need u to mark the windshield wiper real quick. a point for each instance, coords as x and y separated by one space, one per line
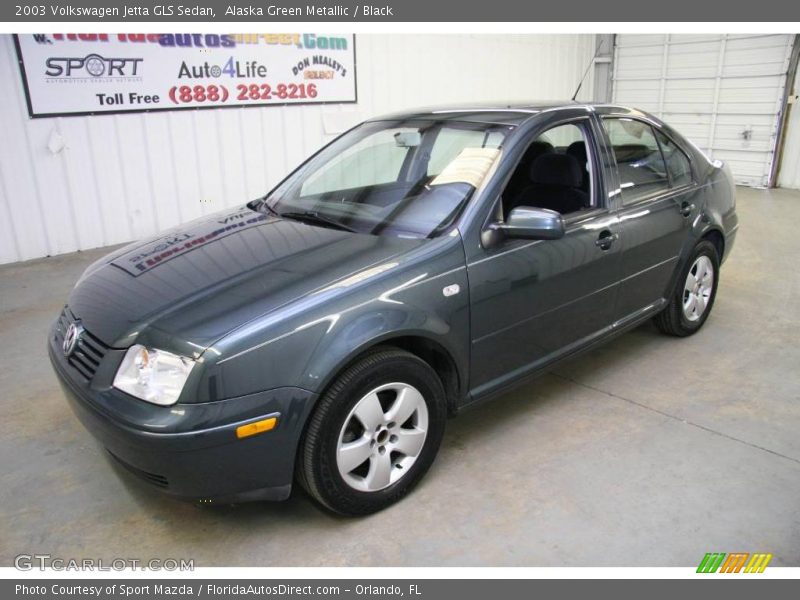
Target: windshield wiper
315 218
260 203
265 205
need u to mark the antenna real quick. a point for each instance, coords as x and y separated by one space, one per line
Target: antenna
586 72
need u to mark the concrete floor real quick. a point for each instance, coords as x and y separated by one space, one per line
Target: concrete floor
650 451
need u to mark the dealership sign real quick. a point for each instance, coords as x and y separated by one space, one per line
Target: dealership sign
79 74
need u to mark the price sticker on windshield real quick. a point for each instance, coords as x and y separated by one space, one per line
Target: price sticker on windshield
470 166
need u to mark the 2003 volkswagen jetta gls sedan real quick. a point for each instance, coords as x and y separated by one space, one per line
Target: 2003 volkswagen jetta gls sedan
417 264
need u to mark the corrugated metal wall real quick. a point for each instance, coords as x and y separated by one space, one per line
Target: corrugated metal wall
724 92
122 177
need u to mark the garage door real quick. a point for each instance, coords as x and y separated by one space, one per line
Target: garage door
724 92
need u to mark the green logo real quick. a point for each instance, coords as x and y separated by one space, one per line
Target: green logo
714 562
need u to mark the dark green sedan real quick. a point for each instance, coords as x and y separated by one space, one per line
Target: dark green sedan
419 263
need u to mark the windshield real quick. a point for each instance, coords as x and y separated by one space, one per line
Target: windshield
402 178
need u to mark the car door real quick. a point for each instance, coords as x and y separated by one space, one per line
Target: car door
534 301
657 205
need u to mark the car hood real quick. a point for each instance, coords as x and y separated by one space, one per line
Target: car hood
198 282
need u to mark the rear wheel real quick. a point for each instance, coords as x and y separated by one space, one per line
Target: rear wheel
374 433
693 297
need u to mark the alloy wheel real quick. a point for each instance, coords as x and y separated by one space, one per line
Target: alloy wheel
382 437
698 288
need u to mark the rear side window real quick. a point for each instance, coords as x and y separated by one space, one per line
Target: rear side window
642 171
678 166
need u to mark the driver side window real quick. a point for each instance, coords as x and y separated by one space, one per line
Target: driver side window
553 173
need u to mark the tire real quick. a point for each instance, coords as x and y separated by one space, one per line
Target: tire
346 426
679 318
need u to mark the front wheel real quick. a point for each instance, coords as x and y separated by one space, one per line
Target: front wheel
373 434
693 297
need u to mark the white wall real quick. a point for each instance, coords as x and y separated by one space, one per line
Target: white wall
122 177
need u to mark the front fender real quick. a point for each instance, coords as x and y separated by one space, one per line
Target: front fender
307 344
444 321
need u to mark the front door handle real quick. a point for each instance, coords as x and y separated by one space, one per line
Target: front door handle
605 239
686 208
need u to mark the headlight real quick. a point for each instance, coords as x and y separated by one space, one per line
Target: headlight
153 375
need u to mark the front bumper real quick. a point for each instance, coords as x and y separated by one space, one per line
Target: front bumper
191 450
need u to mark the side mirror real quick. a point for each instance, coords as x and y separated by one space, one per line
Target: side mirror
528 223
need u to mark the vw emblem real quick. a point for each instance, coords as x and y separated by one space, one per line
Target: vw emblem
71 338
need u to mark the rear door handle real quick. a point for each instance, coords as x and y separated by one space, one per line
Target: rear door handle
686 208
606 239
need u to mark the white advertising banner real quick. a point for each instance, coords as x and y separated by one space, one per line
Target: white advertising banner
80 74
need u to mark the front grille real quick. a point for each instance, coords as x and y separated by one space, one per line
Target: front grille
88 353
153 478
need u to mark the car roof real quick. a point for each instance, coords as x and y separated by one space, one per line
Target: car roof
496 113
